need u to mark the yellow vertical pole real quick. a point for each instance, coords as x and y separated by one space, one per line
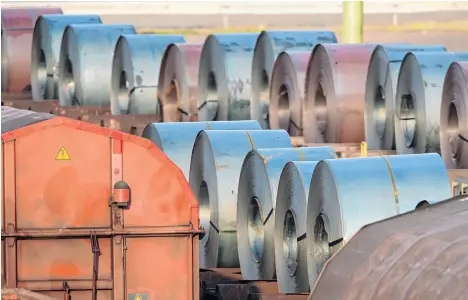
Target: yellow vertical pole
353 17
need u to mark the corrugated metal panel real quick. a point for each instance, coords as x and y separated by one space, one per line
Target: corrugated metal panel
13 118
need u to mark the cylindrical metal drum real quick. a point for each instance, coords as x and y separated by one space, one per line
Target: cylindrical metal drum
418 100
346 194
85 66
290 227
17 34
135 72
224 82
287 91
269 45
454 117
256 200
178 82
176 139
215 168
381 85
46 42
335 92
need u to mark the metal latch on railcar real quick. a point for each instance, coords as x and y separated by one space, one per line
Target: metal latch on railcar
120 195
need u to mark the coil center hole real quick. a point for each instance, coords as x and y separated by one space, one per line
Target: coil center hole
283 107
453 129
123 96
290 242
321 244
380 111
320 108
173 102
256 230
69 78
264 86
408 118
42 72
205 210
212 87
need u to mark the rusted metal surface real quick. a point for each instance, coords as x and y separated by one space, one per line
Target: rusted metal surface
133 124
109 215
335 92
287 91
17 34
48 106
178 82
454 117
418 255
23 294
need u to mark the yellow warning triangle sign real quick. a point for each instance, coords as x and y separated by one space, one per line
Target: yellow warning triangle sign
63 154
137 297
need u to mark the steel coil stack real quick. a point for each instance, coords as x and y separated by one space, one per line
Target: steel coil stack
86 57
256 201
176 139
346 194
135 72
214 178
418 100
381 85
46 43
454 117
267 48
17 35
178 82
224 82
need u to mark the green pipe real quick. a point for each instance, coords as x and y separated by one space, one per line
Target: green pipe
353 17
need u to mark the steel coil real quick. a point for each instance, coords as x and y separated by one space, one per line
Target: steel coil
346 194
17 34
290 227
47 37
135 72
256 200
381 85
287 91
267 48
224 82
418 100
85 70
176 139
335 92
454 117
215 167
178 82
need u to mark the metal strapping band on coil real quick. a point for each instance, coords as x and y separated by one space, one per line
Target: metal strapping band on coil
88 48
287 91
290 227
454 117
224 82
214 178
419 98
335 114
395 190
46 44
17 34
176 139
267 48
258 185
346 194
381 85
178 82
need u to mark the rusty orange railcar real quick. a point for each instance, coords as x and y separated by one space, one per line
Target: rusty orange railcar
94 213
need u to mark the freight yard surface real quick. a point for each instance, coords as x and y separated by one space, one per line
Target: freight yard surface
266 164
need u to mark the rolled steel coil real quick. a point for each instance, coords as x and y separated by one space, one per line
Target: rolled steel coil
135 72
256 200
418 100
178 82
454 117
86 55
215 168
17 34
290 227
346 194
335 92
176 139
46 42
381 85
224 82
267 49
287 91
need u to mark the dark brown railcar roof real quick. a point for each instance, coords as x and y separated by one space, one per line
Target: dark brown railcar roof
13 118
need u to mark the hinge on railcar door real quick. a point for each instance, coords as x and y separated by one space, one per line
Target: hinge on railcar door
66 288
96 251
